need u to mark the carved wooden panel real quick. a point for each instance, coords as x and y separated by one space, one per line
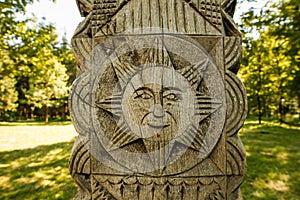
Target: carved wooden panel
157 103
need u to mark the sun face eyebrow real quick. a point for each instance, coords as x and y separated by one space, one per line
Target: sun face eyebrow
141 90
165 89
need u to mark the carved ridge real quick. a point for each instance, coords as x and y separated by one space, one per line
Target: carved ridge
117 24
236 103
233 53
79 103
236 157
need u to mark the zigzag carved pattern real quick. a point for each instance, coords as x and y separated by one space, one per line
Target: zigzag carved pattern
103 10
99 192
161 188
211 9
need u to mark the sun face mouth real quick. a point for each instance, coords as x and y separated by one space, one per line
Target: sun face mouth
157 125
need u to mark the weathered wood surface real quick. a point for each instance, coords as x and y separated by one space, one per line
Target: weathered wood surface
157 103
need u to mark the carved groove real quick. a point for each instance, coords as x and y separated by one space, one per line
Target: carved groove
84 6
82 48
80 158
236 104
79 102
174 15
236 164
233 53
229 6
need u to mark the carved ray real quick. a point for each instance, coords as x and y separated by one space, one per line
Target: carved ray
159 55
112 104
194 74
191 138
204 148
124 72
205 106
122 136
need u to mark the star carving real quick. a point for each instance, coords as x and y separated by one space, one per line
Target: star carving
138 88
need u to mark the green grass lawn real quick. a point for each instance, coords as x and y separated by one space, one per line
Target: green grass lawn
38 173
38 169
34 161
23 135
273 157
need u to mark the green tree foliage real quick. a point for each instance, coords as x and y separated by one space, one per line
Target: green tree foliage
8 93
41 75
66 56
289 30
271 59
288 26
9 28
35 68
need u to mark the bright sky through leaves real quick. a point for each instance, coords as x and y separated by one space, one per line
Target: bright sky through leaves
65 15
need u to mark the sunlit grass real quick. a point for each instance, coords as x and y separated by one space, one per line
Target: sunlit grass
34 161
41 172
28 135
37 173
273 157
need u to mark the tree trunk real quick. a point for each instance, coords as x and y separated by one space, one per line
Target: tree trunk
258 95
259 109
63 114
281 110
31 114
47 114
25 113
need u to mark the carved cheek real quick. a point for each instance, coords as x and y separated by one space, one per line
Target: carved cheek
140 108
173 108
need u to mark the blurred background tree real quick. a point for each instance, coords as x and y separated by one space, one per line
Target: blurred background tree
36 69
270 66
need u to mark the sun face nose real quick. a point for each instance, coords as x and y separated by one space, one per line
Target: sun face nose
158 111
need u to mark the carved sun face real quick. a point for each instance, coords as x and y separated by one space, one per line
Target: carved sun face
159 105
159 108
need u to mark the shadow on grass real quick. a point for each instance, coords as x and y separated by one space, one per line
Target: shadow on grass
38 173
273 153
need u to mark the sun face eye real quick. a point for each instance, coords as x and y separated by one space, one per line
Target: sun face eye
143 94
173 97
